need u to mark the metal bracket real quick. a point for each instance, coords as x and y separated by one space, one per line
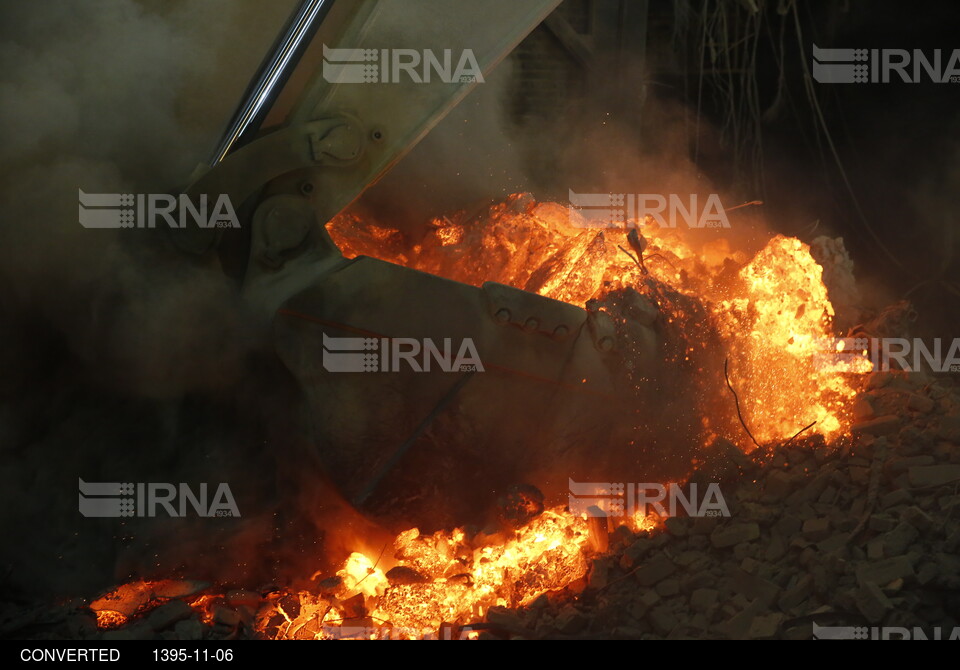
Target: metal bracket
339 144
338 141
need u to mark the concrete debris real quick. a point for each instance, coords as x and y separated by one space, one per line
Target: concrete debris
734 534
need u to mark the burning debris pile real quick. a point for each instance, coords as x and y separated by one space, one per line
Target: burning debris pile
772 311
842 495
439 579
862 531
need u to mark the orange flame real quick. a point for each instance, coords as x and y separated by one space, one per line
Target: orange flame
773 311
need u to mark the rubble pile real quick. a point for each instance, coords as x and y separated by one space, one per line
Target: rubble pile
864 531
861 533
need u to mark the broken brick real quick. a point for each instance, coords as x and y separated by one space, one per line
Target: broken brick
704 600
657 568
926 476
733 534
882 425
872 602
816 530
765 627
885 571
898 540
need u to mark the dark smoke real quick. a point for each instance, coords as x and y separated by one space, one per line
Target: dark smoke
108 341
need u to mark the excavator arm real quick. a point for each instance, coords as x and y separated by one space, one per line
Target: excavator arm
519 382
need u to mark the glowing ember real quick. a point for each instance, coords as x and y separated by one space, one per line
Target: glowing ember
359 574
443 579
110 619
772 311
776 332
203 606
